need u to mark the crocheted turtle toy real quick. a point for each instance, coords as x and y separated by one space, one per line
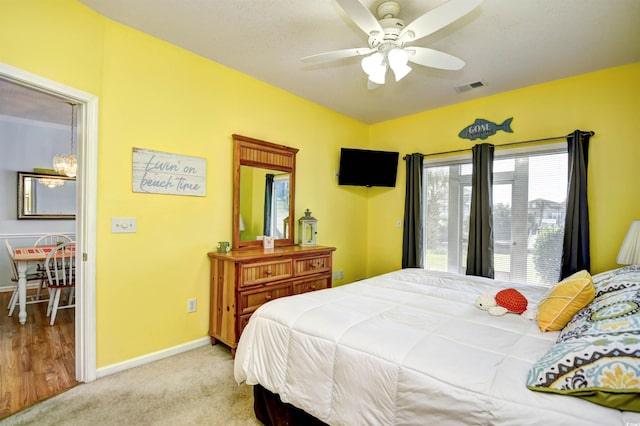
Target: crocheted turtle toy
507 300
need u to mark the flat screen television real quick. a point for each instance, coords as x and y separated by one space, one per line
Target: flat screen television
362 167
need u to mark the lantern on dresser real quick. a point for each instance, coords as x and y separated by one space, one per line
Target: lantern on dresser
308 229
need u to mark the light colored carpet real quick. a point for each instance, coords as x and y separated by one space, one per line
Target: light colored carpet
193 388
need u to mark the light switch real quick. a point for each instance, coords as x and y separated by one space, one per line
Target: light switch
122 225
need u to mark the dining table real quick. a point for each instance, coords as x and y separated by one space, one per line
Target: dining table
23 256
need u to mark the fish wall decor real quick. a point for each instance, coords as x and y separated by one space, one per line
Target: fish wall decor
482 129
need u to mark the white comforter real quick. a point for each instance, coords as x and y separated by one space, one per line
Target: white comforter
410 348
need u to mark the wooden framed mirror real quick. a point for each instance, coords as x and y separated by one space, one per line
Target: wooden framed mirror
264 176
46 196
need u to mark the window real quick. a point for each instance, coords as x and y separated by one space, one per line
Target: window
529 203
279 205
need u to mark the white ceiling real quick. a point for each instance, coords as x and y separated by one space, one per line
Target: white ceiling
507 44
22 102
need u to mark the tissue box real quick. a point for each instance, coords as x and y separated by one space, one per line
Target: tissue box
267 242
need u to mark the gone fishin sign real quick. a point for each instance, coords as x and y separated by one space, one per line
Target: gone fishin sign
482 129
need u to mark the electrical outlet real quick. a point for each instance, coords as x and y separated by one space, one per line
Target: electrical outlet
341 274
336 274
191 305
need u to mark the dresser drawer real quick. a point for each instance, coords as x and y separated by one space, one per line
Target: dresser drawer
311 265
242 323
304 286
264 272
250 300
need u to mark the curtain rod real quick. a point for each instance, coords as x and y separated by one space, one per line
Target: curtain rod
507 144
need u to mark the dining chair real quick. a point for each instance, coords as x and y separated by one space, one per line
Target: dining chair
52 240
37 276
60 266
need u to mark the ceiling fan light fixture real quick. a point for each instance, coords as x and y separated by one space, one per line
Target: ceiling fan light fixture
401 72
372 63
388 34
375 67
398 59
379 76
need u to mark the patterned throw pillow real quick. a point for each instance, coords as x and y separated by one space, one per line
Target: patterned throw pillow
597 356
565 299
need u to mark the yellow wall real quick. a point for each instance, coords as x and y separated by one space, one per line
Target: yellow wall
607 102
157 96
55 39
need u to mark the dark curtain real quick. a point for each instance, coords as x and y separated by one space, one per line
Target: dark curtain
575 247
480 250
412 244
268 197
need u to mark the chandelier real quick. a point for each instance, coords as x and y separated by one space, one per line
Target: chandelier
67 164
51 182
49 178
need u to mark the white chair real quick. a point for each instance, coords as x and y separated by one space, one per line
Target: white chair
31 276
60 266
53 240
50 240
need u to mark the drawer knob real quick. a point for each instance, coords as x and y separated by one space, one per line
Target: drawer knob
267 297
267 273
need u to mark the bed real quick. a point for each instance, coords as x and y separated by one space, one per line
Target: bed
410 347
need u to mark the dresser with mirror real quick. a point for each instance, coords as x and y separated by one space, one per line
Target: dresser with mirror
250 275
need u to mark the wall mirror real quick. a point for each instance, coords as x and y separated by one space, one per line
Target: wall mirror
263 192
43 196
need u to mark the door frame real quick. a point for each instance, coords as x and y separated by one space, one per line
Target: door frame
86 211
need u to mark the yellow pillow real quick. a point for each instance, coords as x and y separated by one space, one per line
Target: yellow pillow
565 300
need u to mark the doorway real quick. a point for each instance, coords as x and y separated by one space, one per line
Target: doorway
86 210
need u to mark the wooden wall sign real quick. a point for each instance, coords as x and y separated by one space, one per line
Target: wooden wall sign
164 173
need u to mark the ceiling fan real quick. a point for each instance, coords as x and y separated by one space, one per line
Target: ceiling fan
388 36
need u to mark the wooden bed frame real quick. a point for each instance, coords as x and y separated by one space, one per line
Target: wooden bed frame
271 411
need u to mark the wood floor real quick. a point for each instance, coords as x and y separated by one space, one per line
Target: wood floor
37 360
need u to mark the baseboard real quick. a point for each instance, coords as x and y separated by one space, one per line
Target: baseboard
154 356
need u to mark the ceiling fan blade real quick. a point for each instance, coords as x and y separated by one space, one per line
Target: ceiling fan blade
438 18
433 58
360 15
337 54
